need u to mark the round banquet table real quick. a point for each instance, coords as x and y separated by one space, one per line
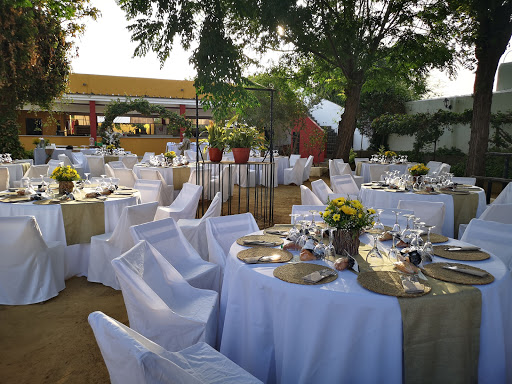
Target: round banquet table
174 176
51 222
363 169
379 198
339 332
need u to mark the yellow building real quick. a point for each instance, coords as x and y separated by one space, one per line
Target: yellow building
76 115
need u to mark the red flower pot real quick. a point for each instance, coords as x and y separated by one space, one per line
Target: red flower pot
241 155
215 154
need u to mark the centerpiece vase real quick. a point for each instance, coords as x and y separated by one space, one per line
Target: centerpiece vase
241 155
345 240
66 187
215 154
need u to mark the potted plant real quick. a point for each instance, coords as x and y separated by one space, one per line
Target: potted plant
65 175
241 139
216 141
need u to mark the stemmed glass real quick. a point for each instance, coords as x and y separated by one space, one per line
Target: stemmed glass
396 226
428 249
417 231
303 237
87 181
375 231
407 233
330 252
103 183
320 246
394 253
293 233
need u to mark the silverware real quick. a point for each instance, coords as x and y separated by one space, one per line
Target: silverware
462 248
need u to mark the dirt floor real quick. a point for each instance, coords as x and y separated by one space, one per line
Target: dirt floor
52 342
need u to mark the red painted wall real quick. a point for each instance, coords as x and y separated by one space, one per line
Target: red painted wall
306 129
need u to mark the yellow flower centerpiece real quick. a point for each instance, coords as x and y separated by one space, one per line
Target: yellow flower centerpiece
65 175
350 218
170 155
419 170
389 154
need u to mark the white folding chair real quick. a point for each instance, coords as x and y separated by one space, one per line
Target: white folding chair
345 184
184 206
150 190
129 161
344 169
161 305
492 237
108 246
307 168
168 190
294 175
307 197
323 192
377 170
433 166
31 270
167 238
502 213
305 210
293 159
127 177
4 178
147 157
96 165
133 358
464 180
430 212
223 231
505 196
194 229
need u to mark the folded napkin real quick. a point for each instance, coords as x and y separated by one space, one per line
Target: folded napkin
412 286
467 271
277 232
260 242
462 248
263 259
315 277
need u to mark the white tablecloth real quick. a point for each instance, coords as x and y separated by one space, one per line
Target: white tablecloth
379 198
167 173
340 332
15 172
365 169
49 218
283 162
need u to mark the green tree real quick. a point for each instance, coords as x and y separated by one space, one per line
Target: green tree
34 46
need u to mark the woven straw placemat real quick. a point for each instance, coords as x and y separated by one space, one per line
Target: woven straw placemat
284 255
387 283
426 193
270 238
16 199
448 192
435 238
294 273
439 250
278 227
437 271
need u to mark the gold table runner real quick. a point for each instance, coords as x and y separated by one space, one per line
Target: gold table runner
83 219
464 209
180 175
441 331
25 167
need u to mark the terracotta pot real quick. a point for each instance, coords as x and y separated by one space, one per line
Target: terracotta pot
346 241
66 187
241 155
215 154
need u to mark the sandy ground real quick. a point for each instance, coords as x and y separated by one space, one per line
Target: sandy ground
52 342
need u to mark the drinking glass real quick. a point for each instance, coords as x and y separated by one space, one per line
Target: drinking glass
394 253
406 234
87 181
374 254
330 252
396 226
428 249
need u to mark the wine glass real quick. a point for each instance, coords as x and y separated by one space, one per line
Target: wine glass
394 253
428 249
330 251
406 234
416 242
87 181
303 238
396 226
103 183
376 230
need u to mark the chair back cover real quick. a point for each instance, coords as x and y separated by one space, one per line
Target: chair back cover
4 178
223 231
129 161
377 170
387 217
304 210
168 190
184 206
127 177
444 168
295 175
307 168
38 170
464 180
321 190
307 197
65 159
430 212
433 166
96 165
30 272
505 196
293 159
205 176
79 158
343 168
333 170
502 213
190 154
161 305
147 157
344 184
150 190
117 164
109 171
357 160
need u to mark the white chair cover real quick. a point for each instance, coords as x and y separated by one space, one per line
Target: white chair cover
109 171
333 169
38 170
194 229
492 237
161 305
223 231
505 196
307 168
129 161
360 159
127 177
205 177
221 184
150 190
96 165
294 175
321 190
377 170
67 162
184 206
132 358
147 156
502 213
307 197
343 168
79 158
464 180
430 212
168 190
31 271
433 166
293 160
4 178
444 168
116 164
106 247
304 210
345 185
387 217
190 154
167 238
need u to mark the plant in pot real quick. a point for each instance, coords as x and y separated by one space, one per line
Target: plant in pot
241 139
216 141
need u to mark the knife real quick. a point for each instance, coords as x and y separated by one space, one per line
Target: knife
466 271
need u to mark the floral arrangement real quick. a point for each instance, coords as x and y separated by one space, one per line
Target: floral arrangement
66 173
348 214
390 154
418 170
170 155
111 146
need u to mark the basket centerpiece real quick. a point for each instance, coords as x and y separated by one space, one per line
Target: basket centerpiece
65 175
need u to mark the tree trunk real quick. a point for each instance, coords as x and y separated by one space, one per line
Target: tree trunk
347 125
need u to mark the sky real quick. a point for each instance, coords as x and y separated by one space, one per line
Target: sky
105 49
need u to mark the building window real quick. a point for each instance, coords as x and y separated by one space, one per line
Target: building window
34 126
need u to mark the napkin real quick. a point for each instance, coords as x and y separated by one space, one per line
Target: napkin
463 248
315 277
263 259
259 242
466 270
276 232
412 286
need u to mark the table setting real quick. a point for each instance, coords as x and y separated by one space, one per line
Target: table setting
396 163
292 318
174 169
16 170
